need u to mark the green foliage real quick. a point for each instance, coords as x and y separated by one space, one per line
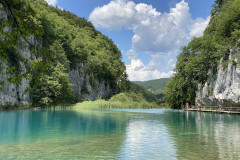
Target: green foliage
53 87
82 44
121 100
15 29
134 96
61 42
135 88
204 53
155 86
179 91
20 21
128 97
210 91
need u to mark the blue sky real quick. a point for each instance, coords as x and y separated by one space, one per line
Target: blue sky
148 32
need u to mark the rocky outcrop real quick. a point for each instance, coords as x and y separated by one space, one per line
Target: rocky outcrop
223 85
14 94
86 86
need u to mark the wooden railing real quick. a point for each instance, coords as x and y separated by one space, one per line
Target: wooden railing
223 108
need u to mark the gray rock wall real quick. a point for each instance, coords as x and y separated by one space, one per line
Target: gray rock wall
13 94
223 86
86 87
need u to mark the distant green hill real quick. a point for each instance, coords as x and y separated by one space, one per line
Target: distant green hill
155 86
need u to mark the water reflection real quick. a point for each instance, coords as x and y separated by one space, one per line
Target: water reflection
147 138
199 135
227 137
30 124
61 134
118 134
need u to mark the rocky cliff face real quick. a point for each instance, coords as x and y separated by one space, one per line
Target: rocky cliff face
222 86
14 94
85 86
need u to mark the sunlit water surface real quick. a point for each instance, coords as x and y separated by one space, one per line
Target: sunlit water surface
137 134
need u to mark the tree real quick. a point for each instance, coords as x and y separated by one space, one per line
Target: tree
61 41
15 30
204 53
53 87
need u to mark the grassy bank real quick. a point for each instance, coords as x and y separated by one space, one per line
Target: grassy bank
117 104
122 100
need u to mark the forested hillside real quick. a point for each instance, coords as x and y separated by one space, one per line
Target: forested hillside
204 53
59 42
155 86
50 56
138 89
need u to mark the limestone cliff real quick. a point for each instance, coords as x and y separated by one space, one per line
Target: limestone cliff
85 86
14 94
223 85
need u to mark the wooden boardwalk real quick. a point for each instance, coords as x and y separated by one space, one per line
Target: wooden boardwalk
229 110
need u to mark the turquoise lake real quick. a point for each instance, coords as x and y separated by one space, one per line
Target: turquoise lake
131 134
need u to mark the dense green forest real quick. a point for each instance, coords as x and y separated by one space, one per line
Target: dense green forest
204 53
61 41
156 86
58 41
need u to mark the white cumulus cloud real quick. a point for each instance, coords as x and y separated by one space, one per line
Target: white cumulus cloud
155 33
137 71
114 15
132 54
52 2
198 27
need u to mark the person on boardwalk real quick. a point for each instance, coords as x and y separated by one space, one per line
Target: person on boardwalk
199 105
187 105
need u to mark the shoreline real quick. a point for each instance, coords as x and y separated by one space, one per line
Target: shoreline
18 108
213 111
76 106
